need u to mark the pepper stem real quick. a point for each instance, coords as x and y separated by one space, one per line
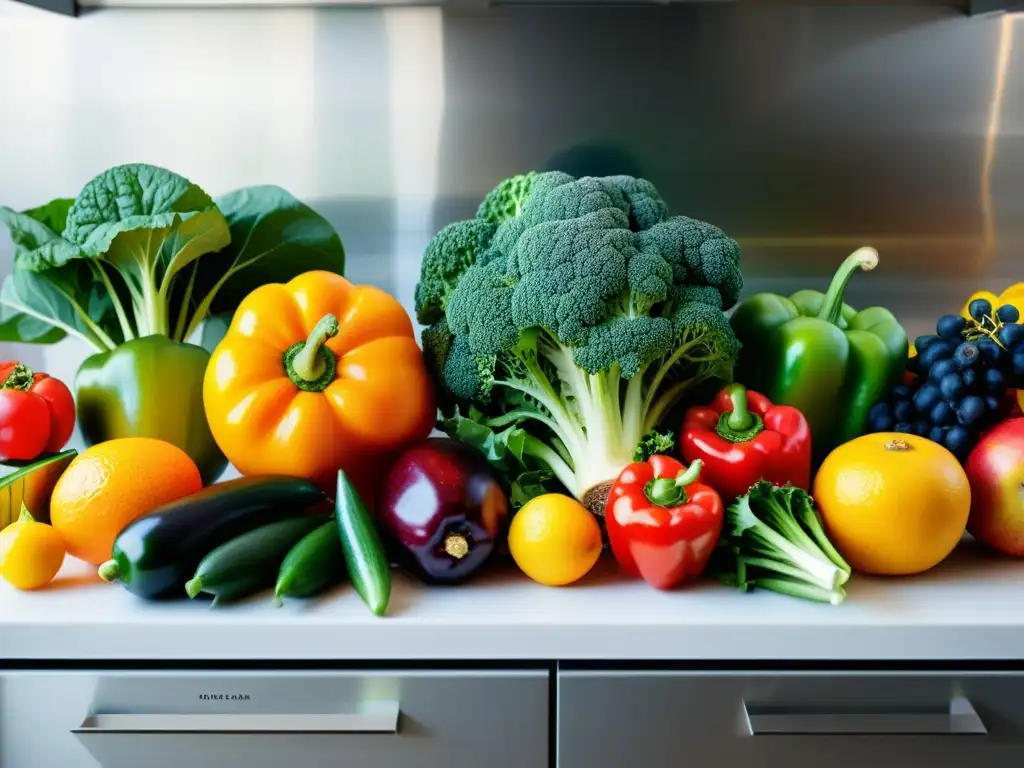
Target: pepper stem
739 425
671 491
20 377
832 308
309 364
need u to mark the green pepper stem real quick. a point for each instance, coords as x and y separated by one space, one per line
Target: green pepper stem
739 425
20 377
309 364
109 570
832 308
671 491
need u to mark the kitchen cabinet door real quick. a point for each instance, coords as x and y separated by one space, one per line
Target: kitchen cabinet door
725 719
408 719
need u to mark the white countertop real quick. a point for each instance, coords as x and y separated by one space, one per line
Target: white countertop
969 608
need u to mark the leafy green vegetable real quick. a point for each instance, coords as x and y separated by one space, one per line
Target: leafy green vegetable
273 235
143 251
774 539
578 313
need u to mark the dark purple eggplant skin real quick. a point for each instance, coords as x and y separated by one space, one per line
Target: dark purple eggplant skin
442 510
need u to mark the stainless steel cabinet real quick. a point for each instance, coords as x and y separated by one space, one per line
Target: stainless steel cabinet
724 719
274 719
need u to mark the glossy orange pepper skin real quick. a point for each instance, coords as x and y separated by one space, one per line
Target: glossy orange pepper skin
378 399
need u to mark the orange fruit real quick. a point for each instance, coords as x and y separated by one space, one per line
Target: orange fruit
111 484
554 539
893 504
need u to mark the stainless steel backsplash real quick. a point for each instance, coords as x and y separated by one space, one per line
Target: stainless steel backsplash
804 132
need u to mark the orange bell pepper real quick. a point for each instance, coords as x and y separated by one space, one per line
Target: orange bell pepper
317 375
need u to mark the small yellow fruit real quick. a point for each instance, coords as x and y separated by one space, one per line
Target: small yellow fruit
31 553
554 540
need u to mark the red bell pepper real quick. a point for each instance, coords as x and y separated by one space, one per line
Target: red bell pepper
37 413
743 438
662 524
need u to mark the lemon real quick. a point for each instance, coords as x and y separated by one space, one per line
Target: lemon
31 553
554 540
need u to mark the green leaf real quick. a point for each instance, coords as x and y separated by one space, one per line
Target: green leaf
197 235
654 443
53 214
529 485
126 194
35 309
504 451
274 237
27 233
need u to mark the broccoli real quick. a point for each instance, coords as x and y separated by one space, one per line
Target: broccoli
571 316
451 252
505 201
774 539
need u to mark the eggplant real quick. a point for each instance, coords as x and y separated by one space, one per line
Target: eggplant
155 555
442 511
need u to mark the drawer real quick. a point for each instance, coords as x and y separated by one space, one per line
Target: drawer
722 719
415 719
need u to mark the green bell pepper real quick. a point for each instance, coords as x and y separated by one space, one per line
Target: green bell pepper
149 387
819 355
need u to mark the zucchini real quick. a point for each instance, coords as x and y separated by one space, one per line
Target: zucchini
365 558
155 555
249 563
312 566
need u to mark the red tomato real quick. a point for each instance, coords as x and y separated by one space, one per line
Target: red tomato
37 412
24 425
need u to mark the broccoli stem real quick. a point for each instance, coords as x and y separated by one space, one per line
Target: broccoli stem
539 450
633 414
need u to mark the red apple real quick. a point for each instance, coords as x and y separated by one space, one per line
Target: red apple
995 469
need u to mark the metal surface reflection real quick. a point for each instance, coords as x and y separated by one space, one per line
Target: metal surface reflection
804 131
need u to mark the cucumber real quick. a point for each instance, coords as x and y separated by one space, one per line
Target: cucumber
249 563
312 566
155 555
365 558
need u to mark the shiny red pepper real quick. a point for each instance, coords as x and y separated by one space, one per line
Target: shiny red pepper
662 524
743 438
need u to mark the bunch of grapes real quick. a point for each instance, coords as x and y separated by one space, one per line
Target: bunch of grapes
962 374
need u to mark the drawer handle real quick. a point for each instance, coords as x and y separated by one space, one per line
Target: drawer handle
378 717
958 719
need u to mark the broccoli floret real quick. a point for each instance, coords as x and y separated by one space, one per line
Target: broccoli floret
583 319
451 252
506 200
